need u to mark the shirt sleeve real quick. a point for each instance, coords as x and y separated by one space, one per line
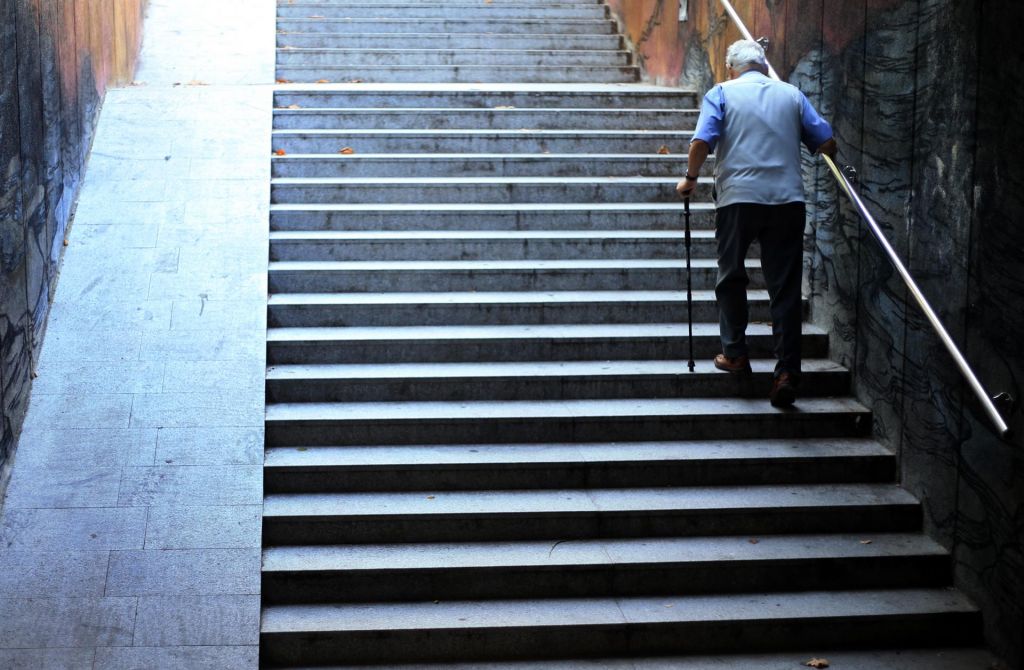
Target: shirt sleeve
709 123
815 130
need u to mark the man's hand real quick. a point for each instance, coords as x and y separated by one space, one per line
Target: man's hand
829 148
686 187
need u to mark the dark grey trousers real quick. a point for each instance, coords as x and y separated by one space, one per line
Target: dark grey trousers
779 229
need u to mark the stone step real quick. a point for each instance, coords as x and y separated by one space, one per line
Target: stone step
543 380
457 73
644 419
461 467
600 568
460 165
353 57
454 9
470 24
488 96
497 308
476 118
481 190
491 245
588 627
554 514
411 3
523 141
466 344
416 40
522 216
532 275
867 658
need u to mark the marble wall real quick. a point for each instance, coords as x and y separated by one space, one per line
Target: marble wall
56 59
925 98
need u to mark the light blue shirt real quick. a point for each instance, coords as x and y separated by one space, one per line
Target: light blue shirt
755 125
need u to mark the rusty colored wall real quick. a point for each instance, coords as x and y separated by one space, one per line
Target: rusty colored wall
57 58
924 98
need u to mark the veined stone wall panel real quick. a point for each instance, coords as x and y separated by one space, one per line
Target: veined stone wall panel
56 59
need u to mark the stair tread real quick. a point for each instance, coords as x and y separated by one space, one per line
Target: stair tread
938 658
552 453
583 501
570 612
524 409
493 297
456 266
314 235
504 132
493 207
385 111
453 181
565 331
629 551
537 369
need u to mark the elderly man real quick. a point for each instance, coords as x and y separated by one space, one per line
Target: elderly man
757 124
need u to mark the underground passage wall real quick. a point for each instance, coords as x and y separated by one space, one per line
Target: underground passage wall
925 96
56 59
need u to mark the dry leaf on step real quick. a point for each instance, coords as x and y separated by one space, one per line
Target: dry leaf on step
283 81
505 107
664 151
294 107
753 541
280 152
322 81
348 151
355 81
817 663
866 541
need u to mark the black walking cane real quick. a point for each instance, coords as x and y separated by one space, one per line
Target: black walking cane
689 278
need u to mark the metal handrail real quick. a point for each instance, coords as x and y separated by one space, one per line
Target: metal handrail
915 291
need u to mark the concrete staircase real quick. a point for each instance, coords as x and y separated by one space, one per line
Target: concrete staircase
483 443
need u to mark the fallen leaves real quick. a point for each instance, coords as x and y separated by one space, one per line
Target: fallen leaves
505 107
323 81
347 151
284 81
294 106
753 541
866 541
817 663
664 150
355 81
280 152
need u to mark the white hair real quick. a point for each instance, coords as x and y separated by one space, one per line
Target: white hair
744 53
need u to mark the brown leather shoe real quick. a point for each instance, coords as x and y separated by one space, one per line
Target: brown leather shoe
738 365
783 393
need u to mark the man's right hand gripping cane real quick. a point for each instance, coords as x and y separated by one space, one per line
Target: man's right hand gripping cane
699 151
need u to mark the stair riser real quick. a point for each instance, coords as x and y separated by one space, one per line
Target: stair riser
582 475
496 314
581 581
525 143
342 529
507 350
582 429
481 119
436 57
516 219
495 280
495 250
463 74
483 193
442 10
425 167
622 639
506 27
449 41
816 384
364 97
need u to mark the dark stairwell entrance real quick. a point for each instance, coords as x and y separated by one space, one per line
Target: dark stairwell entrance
482 440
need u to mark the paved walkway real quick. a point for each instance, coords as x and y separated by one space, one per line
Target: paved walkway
130 533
